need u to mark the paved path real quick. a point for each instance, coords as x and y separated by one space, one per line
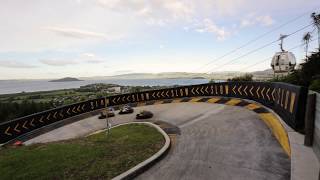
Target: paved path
216 142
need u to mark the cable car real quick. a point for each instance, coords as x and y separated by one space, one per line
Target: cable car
283 62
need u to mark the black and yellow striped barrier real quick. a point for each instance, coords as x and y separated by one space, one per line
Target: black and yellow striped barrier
286 100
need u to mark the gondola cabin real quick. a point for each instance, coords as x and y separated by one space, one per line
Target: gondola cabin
283 62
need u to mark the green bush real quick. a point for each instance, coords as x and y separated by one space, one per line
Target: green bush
211 81
9 111
315 85
293 78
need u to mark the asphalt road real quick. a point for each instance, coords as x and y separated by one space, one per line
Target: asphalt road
215 142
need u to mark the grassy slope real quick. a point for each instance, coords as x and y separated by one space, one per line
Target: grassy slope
94 157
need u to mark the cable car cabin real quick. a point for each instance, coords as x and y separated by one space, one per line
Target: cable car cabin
283 62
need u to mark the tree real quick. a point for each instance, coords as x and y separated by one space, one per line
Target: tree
306 39
315 85
245 77
316 22
12 110
211 81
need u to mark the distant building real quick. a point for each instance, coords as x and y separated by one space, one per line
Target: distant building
116 89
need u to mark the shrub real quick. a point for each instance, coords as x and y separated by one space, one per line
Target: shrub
245 77
315 85
211 81
9 111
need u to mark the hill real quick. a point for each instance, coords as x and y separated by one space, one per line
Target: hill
66 79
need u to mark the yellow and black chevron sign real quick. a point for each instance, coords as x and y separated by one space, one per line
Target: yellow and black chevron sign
285 98
256 91
28 124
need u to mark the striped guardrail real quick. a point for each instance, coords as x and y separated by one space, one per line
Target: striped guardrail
288 101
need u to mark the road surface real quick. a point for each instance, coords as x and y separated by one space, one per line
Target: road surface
215 142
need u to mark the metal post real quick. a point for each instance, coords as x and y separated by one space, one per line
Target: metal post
309 119
108 123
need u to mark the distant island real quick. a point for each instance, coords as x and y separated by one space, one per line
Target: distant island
198 78
67 79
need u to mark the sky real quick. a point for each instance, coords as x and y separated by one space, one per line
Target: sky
48 39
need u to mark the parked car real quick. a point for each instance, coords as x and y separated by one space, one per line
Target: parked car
144 115
108 113
126 110
102 115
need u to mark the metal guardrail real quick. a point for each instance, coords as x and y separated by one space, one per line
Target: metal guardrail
286 100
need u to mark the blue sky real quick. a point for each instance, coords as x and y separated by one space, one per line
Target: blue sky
42 39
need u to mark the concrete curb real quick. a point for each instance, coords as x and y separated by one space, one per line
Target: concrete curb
277 126
138 169
304 164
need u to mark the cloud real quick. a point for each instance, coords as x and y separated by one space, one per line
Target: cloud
80 59
14 64
90 58
124 71
155 12
265 20
92 23
88 55
252 19
246 23
179 9
76 33
58 62
209 26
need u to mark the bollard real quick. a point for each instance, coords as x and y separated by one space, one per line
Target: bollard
309 119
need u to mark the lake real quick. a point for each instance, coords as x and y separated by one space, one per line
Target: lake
17 86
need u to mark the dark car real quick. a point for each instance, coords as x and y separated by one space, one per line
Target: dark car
102 115
144 115
126 110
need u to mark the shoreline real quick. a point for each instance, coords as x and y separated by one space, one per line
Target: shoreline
9 87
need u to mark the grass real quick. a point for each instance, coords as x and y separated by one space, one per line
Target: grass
95 157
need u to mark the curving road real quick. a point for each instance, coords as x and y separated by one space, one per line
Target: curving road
215 142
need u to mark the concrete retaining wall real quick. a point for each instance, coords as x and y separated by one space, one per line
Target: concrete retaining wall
316 136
